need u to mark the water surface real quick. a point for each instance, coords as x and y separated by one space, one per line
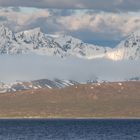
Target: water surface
69 129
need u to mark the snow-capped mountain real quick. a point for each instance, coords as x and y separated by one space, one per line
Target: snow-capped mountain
35 41
127 49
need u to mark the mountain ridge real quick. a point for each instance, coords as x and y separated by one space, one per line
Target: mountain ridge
35 84
35 41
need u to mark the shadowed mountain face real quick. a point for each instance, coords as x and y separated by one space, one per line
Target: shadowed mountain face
106 100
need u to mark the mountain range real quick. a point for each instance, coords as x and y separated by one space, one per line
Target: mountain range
36 42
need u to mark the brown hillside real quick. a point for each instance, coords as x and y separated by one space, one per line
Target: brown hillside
106 100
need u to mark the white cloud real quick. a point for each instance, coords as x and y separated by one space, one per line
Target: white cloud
97 25
116 23
22 19
106 5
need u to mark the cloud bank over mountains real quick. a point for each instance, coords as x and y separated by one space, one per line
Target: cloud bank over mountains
33 67
96 21
109 5
87 25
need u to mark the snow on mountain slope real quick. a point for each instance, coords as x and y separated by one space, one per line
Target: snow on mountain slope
34 41
36 84
127 49
37 42
62 45
7 39
75 47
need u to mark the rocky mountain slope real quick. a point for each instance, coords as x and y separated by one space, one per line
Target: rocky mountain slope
53 84
36 84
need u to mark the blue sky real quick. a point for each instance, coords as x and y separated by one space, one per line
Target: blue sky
103 22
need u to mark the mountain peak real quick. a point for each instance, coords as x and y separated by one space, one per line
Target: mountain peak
133 40
2 26
33 31
128 49
5 31
136 32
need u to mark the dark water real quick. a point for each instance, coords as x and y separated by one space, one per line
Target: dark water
69 129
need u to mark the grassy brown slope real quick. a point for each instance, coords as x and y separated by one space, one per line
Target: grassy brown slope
107 100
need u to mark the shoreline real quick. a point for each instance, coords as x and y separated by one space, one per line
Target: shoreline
69 118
